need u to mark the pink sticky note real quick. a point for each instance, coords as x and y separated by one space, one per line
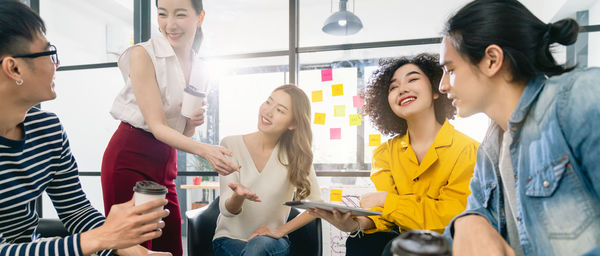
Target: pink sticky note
326 75
358 101
335 133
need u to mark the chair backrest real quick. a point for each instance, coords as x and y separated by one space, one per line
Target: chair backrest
201 227
51 228
306 240
202 223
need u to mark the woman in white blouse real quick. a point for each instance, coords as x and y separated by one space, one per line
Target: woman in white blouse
276 167
144 146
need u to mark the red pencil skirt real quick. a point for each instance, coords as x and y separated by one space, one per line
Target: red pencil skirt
134 155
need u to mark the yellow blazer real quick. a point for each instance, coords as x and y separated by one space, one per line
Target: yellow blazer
426 195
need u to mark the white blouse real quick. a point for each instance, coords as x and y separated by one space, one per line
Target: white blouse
271 185
171 83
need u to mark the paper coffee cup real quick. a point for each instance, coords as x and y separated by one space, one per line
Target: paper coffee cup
145 191
420 243
192 101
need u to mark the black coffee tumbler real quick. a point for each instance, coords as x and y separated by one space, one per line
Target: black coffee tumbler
420 243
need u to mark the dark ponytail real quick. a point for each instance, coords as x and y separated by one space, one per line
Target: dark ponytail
198 7
524 38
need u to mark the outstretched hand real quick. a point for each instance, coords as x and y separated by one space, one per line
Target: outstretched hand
244 192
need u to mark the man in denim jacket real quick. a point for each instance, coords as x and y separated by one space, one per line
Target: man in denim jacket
556 163
537 177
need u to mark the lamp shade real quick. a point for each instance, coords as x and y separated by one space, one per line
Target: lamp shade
342 22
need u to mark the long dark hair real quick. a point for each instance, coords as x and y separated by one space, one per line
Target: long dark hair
19 26
377 105
198 7
297 143
524 38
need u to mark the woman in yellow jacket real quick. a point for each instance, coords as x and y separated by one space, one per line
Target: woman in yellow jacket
422 174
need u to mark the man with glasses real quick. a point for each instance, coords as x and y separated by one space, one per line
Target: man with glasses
51 52
35 157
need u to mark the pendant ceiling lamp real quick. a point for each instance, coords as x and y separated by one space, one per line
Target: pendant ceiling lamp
342 22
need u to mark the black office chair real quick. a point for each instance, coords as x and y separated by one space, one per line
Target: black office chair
306 241
51 228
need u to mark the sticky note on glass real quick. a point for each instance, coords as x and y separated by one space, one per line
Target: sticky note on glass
335 195
326 75
335 133
339 110
317 96
319 118
337 90
358 101
355 120
374 140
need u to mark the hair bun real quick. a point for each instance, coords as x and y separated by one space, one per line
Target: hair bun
564 31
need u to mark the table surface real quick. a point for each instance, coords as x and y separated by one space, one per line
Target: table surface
203 185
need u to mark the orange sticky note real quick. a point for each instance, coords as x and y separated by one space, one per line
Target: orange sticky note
317 96
335 195
326 75
319 118
339 110
374 140
337 90
335 133
355 119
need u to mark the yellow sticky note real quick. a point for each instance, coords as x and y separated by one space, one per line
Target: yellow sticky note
317 96
355 120
319 118
339 110
374 140
337 90
335 195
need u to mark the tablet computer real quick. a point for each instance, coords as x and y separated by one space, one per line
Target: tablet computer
307 204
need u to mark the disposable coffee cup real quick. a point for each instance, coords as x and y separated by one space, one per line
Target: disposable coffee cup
420 243
146 191
193 100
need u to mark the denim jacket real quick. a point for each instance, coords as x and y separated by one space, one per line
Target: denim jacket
556 160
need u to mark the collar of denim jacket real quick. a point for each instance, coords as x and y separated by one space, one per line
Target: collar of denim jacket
491 144
528 97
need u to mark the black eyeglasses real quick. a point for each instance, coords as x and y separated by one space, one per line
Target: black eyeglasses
52 53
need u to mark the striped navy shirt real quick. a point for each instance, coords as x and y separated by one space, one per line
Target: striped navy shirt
42 161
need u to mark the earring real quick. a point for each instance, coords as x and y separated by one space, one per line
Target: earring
19 82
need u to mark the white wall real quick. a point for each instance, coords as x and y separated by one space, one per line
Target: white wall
88 31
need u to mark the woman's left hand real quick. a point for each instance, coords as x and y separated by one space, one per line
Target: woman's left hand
196 119
373 199
266 231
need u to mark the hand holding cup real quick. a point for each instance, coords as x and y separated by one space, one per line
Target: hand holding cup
193 101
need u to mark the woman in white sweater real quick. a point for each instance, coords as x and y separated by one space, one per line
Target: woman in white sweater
277 167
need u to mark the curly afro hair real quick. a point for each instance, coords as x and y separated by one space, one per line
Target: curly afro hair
376 94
